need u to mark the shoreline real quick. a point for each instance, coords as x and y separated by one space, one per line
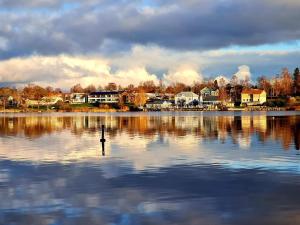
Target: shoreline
127 111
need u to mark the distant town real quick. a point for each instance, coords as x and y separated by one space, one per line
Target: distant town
281 92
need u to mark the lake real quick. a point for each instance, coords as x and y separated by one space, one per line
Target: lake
156 168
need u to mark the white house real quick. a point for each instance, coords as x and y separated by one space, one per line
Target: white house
158 104
104 97
78 98
185 98
49 100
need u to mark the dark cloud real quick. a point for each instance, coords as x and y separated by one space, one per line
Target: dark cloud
192 24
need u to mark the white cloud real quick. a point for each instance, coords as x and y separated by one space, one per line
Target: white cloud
219 78
65 71
140 64
243 72
183 74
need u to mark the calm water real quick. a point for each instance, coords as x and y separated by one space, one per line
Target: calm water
157 168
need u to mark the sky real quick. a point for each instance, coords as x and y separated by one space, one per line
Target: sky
64 42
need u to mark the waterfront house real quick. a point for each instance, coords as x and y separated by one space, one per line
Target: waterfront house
209 92
45 101
253 97
185 98
104 97
78 98
51 100
159 104
8 101
211 100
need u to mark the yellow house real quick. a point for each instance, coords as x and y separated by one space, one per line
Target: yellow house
253 97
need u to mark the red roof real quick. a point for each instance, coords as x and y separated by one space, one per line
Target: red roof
252 91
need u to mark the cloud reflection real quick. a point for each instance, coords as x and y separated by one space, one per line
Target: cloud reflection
151 141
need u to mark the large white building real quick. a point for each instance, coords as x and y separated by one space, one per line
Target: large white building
104 97
185 98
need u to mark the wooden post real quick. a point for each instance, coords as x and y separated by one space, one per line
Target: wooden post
102 140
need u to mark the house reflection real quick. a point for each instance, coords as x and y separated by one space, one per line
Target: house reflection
239 129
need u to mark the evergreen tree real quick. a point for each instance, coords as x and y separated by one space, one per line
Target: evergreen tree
297 82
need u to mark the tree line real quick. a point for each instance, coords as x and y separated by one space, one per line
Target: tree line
282 85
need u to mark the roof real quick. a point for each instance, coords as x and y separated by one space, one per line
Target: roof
105 92
187 94
158 102
252 91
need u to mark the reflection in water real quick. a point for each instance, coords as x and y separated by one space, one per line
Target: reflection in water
239 129
102 140
186 168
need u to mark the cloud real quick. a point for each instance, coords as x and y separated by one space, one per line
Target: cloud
65 71
220 78
183 74
140 64
243 73
122 24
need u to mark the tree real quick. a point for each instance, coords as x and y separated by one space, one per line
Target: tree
246 82
111 87
76 89
148 86
58 91
223 96
237 89
287 82
197 87
297 82
89 89
276 86
34 92
234 81
140 98
130 88
216 86
179 87
264 84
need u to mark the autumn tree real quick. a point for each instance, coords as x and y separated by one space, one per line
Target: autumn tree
223 96
49 90
111 87
236 89
148 86
58 91
140 98
89 89
234 81
130 88
34 92
264 84
77 89
179 87
245 82
286 82
197 87
276 86
161 88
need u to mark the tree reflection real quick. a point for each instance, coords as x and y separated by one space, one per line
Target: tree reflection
285 129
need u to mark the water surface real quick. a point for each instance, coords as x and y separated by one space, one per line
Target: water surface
157 168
